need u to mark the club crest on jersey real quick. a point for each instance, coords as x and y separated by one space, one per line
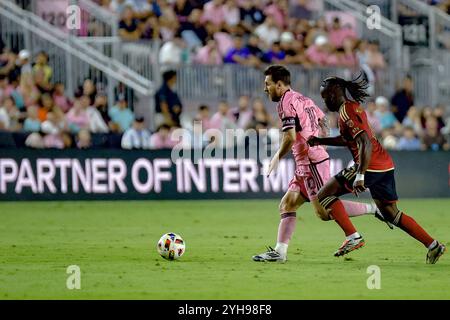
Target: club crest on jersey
350 123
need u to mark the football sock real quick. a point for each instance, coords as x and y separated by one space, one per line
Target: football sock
281 248
355 209
410 226
353 236
341 217
433 245
286 228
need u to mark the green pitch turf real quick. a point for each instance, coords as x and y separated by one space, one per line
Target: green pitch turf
114 244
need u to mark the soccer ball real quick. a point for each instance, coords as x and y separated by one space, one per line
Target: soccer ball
171 246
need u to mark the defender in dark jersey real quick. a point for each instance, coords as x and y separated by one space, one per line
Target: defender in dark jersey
373 169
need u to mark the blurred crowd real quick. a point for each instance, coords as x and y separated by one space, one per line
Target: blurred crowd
401 125
246 32
30 102
397 122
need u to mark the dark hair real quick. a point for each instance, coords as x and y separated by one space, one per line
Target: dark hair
356 87
163 126
203 107
279 73
169 74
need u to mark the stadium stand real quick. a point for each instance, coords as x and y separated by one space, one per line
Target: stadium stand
37 110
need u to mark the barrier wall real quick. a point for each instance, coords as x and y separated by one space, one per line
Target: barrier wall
27 174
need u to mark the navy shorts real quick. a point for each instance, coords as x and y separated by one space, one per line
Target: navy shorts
380 184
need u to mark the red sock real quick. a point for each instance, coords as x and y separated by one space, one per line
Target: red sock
410 226
341 217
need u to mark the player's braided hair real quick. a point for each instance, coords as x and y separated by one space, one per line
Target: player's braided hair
356 87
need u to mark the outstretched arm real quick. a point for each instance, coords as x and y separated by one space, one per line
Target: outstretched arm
328 141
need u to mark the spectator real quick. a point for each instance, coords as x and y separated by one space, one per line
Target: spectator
32 122
372 117
28 91
413 120
60 99
151 29
96 122
337 34
89 90
254 44
42 67
250 15
193 30
268 31
388 139
78 118
386 117
375 58
161 138
121 115
213 12
203 117
320 52
137 136
300 10
5 88
439 113
223 119
261 119
168 104
209 54
432 138
52 125
101 104
275 54
23 63
278 11
129 26
242 114
231 14
45 106
35 141
4 118
172 52
183 8
403 99
240 54
84 139
409 141
54 141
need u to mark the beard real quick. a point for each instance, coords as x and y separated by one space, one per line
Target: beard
275 98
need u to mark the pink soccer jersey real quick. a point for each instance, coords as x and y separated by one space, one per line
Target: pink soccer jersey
301 113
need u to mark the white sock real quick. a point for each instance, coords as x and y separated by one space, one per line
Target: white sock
281 248
353 236
371 208
432 245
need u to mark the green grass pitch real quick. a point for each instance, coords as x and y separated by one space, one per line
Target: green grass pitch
114 244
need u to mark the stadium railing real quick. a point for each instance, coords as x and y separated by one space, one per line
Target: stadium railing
71 60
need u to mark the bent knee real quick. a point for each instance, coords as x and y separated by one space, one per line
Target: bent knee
287 206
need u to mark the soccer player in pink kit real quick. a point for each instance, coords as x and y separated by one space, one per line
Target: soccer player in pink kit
301 119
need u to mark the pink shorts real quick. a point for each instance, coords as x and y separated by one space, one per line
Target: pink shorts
309 179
